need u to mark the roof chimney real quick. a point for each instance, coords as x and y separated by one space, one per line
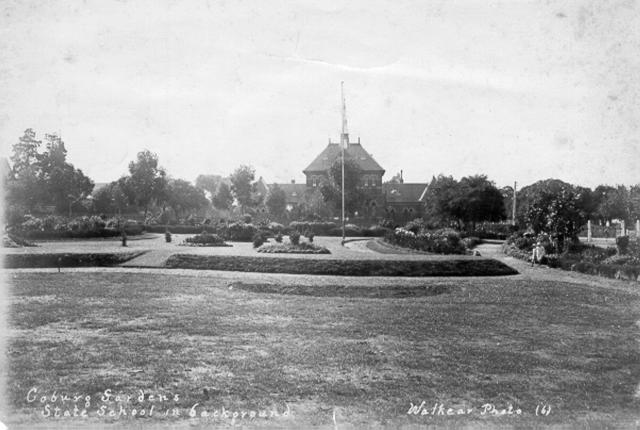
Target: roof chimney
293 181
401 179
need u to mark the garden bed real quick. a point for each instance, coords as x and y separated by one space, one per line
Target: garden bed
592 260
18 261
453 267
287 248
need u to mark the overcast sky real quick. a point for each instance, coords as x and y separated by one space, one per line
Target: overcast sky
515 90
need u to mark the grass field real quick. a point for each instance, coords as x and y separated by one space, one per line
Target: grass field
463 266
361 354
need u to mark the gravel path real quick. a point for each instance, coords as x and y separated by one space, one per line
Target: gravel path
153 261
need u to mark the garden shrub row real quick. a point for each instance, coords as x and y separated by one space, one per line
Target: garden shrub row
179 229
56 227
450 267
206 239
335 230
246 232
443 241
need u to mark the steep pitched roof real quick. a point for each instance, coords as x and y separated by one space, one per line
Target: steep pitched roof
353 151
404 193
294 192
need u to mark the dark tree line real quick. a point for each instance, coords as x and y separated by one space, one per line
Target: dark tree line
463 203
42 176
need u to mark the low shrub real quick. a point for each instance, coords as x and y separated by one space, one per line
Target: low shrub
513 251
294 237
259 238
240 232
319 228
471 242
167 236
443 241
205 239
309 235
415 226
279 238
276 228
622 243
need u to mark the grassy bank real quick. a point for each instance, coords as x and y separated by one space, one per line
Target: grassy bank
453 267
500 341
16 261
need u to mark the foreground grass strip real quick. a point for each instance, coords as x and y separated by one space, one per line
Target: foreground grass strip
19 261
453 267
381 292
487 340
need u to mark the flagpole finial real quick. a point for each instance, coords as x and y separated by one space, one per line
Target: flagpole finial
344 137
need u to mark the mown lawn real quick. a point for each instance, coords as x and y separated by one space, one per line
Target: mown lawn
364 353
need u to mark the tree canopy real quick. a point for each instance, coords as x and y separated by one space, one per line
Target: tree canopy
468 201
331 188
147 180
276 201
242 186
45 178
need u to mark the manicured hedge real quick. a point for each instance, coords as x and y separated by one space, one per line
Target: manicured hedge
58 227
179 229
453 267
102 233
335 230
16 261
205 239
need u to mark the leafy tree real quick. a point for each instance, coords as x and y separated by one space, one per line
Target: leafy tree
312 206
147 181
276 201
331 189
507 199
479 200
45 178
613 203
223 199
64 184
443 203
111 198
183 197
242 186
556 208
634 198
209 183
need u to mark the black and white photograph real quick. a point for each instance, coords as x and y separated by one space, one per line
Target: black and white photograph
367 214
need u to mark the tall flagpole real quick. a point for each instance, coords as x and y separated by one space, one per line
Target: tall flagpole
342 139
513 215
